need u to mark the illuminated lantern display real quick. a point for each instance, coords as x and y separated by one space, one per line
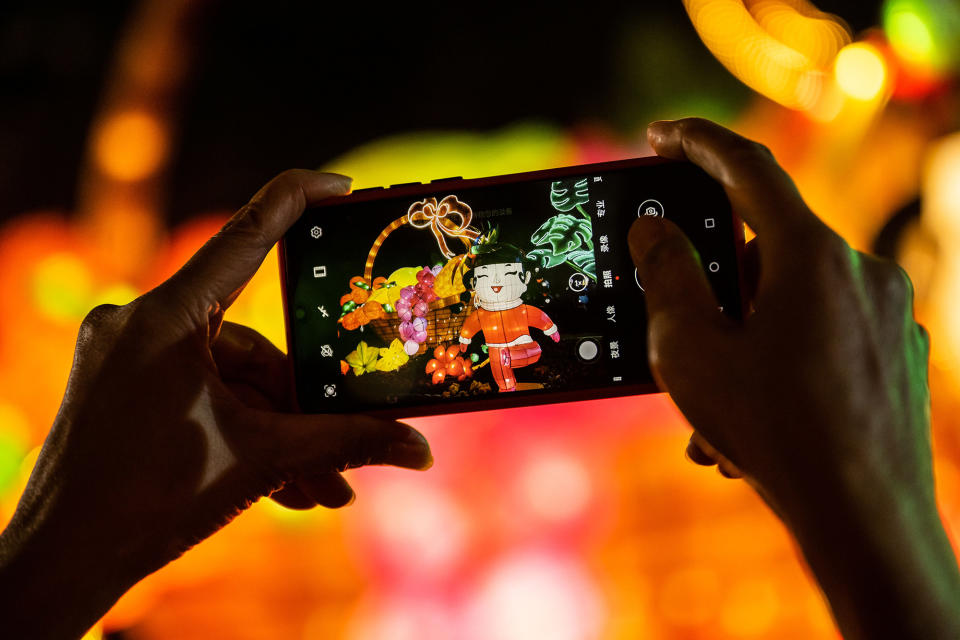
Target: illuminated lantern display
499 281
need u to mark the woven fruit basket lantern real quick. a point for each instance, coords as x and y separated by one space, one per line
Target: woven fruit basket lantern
427 311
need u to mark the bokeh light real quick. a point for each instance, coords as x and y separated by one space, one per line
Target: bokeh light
62 286
404 518
908 33
780 49
14 436
556 486
130 145
924 33
861 71
535 595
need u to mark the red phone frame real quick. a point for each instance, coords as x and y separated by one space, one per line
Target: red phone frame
500 400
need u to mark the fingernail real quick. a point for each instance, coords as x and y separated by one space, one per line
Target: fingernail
235 339
696 455
414 437
409 456
657 130
346 182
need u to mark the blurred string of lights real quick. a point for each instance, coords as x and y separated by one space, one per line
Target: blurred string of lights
514 534
806 59
780 49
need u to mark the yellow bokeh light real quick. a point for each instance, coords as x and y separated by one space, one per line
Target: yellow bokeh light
130 145
13 422
941 189
62 286
861 71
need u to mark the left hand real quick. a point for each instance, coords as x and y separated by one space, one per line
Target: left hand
166 433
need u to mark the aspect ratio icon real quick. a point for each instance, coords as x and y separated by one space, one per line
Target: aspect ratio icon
320 271
650 208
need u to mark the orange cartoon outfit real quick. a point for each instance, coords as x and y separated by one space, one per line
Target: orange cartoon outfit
508 338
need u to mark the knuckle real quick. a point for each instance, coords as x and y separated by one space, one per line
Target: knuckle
248 223
760 150
288 179
891 281
100 317
897 282
822 251
695 125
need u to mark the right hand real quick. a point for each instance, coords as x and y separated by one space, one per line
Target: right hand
827 377
818 398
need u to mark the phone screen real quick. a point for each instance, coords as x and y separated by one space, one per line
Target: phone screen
517 292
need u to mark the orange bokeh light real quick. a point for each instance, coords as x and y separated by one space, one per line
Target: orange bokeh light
130 145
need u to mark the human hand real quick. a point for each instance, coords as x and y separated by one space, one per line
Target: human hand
818 398
172 424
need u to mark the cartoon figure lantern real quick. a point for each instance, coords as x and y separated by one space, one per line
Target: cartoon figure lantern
499 282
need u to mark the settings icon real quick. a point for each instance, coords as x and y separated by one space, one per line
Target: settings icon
316 232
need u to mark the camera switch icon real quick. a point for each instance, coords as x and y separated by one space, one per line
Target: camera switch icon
651 208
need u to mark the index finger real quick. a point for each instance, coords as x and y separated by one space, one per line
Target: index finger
759 190
216 274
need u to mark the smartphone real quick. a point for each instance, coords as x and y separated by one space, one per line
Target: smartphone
462 295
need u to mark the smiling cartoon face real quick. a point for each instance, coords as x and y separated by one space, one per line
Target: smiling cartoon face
500 283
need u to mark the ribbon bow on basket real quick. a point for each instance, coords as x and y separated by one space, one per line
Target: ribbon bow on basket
449 217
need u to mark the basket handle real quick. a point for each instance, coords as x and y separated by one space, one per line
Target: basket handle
438 224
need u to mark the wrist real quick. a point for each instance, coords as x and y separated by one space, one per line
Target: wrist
50 569
877 546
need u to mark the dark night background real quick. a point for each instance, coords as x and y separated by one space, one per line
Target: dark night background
281 84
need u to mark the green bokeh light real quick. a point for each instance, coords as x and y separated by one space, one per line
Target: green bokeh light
924 32
12 452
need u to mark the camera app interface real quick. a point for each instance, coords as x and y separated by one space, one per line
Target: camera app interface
467 293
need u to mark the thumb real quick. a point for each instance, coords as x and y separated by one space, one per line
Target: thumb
323 443
681 307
